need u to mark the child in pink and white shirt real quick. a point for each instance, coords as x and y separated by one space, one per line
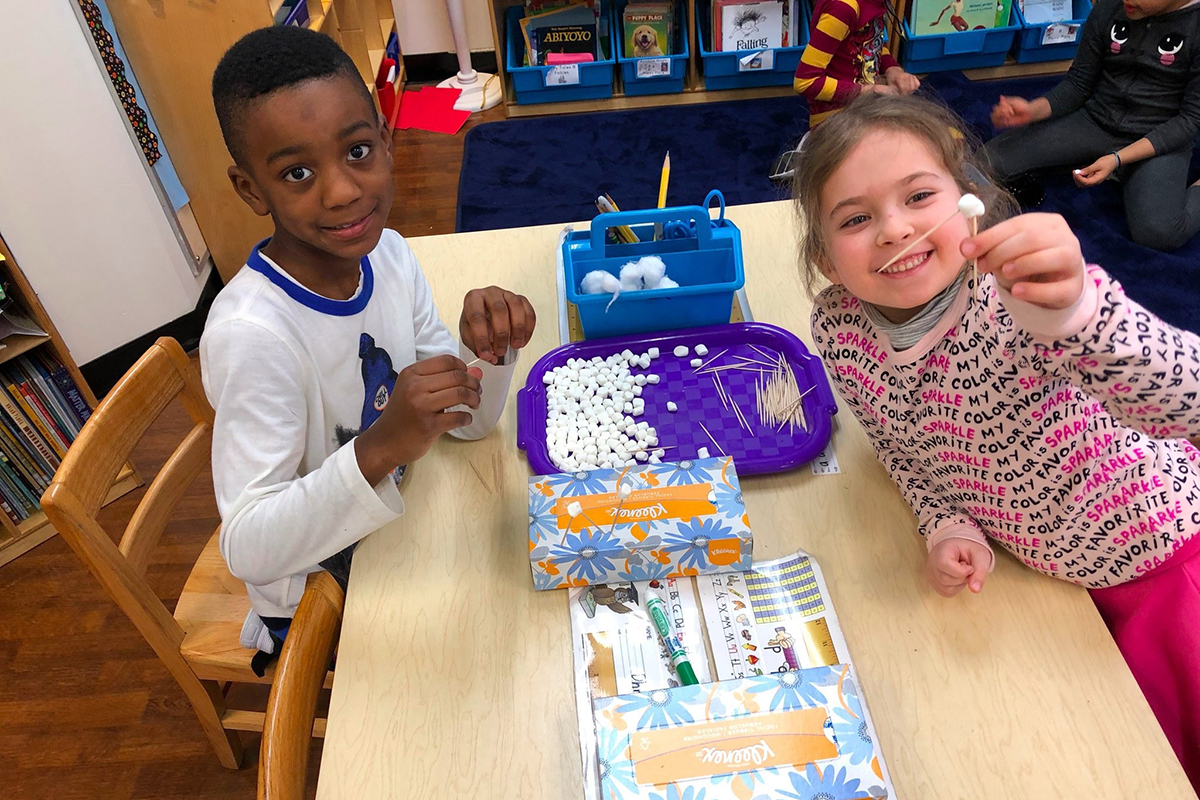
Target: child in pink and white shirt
1035 407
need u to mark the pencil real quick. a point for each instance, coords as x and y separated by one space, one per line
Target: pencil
666 177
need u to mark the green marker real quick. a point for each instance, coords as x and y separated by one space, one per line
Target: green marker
657 608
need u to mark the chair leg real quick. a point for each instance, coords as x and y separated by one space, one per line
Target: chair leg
209 705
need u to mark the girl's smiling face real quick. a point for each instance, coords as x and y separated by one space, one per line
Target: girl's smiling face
888 191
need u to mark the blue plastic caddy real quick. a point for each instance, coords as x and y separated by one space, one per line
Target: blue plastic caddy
942 52
537 84
707 266
1063 41
742 69
656 74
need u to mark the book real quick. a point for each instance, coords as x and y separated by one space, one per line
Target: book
25 496
579 39
49 395
28 430
1038 12
648 30
742 25
950 16
39 408
62 378
33 416
22 464
10 433
582 13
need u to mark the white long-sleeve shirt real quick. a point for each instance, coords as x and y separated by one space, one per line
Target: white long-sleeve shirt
294 377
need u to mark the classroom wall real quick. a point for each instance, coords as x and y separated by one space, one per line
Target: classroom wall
424 26
77 205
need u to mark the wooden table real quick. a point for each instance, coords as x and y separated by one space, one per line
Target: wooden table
454 677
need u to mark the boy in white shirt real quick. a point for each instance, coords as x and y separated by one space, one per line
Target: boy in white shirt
324 358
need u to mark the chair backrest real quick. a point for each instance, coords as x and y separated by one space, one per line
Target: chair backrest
92 464
299 676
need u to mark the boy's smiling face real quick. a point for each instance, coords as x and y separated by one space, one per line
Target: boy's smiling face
318 160
890 189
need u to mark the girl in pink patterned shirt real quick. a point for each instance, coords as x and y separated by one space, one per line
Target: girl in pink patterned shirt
1037 408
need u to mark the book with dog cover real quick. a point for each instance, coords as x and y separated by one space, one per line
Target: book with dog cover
647 28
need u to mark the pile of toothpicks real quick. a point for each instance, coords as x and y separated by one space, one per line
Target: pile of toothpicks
778 393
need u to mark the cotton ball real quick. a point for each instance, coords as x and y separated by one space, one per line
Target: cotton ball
596 281
653 270
671 406
667 283
702 452
701 350
695 362
970 206
681 351
631 276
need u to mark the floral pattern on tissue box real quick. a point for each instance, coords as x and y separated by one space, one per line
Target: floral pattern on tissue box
799 735
680 519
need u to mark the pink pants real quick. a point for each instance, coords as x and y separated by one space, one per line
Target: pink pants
1155 621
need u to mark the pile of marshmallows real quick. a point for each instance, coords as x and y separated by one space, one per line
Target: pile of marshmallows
648 272
591 412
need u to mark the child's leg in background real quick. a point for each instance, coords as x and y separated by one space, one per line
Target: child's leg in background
1162 210
1070 141
1156 624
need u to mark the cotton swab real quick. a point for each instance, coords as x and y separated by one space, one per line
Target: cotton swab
970 206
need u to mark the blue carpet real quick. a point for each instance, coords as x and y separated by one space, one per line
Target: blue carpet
550 169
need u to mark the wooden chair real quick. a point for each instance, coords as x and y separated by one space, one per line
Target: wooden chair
198 644
299 676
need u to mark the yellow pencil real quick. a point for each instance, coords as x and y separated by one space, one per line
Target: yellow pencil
666 177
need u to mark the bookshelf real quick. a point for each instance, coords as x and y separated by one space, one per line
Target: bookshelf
693 87
173 47
19 538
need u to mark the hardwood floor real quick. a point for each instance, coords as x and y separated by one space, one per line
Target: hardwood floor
86 708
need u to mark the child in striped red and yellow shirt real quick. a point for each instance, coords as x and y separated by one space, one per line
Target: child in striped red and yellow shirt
847 55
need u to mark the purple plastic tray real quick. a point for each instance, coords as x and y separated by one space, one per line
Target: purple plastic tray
696 396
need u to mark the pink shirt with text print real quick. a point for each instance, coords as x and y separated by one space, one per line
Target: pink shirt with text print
1060 435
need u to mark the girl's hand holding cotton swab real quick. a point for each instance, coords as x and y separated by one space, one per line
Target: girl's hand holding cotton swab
1036 257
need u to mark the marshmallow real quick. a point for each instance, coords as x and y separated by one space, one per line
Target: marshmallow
681 351
652 352
701 350
970 206
695 362
702 452
671 406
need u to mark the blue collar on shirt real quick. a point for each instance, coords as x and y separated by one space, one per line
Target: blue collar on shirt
305 297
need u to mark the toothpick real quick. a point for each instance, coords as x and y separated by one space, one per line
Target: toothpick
917 241
720 393
711 439
473 363
975 261
711 360
761 352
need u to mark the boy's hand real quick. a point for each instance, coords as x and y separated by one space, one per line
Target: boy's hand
1096 172
955 564
879 88
1011 112
1034 256
494 319
904 82
416 414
